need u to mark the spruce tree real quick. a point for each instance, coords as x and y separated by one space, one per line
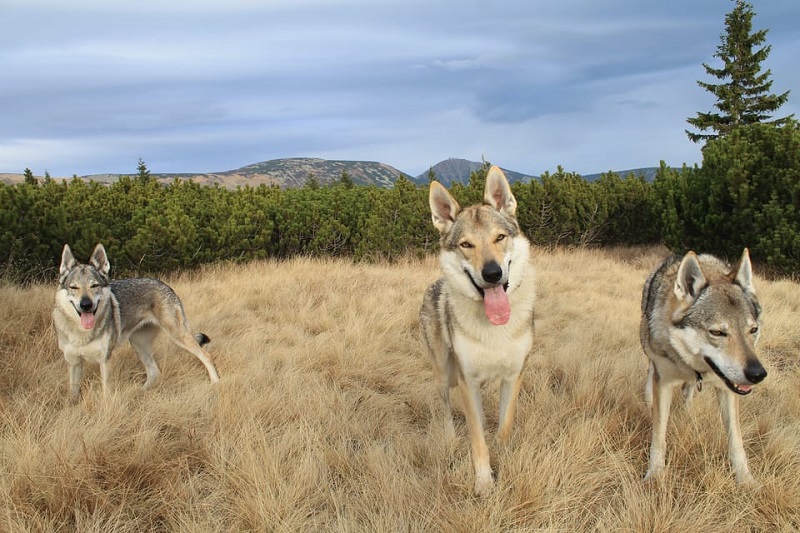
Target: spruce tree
432 175
143 174
744 96
312 181
346 180
28 177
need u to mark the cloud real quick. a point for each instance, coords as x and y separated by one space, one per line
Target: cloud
91 86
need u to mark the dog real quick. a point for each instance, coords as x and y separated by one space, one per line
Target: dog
477 319
700 324
93 315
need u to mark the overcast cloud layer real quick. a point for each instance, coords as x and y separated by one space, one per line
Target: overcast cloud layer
90 86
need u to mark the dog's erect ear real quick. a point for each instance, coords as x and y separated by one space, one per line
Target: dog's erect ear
68 262
497 192
690 280
744 273
444 207
99 259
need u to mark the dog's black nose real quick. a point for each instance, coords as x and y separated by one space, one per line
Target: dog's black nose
86 304
492 272
755 372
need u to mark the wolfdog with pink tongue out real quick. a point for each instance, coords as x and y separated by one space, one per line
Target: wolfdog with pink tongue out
477 319
93 315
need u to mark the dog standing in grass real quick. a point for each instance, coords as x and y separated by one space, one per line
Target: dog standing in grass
93 315
700 324
477 319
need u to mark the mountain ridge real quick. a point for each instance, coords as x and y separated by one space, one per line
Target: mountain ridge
452 170
298 171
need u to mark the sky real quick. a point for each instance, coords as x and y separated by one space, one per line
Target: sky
92 86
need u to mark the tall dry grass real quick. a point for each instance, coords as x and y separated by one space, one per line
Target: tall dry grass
326 417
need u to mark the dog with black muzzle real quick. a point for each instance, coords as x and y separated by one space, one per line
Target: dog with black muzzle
477 319
93 315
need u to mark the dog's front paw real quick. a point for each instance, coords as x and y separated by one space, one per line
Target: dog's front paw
503 435
483 485
449 429
746 480
74 396
652 475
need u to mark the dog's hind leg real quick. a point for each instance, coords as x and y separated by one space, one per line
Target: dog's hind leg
444 394
509 393
448 378
142 342
75 374
662 400
189 343
473 409
444 370
729 408
648 385
104 375
688 394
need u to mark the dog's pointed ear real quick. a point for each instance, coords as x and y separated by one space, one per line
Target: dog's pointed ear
444 207
99 259
744 273
690 280
497 192
68 262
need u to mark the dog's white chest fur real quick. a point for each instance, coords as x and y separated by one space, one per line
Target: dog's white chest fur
494 357
486 352
72 340
94 350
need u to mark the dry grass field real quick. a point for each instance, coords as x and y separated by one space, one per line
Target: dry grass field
326 418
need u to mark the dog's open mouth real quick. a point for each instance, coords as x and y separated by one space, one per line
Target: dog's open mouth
738 389
495 302
87 318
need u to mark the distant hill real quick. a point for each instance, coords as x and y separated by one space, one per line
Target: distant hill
285 173
649 173
295 172
454 170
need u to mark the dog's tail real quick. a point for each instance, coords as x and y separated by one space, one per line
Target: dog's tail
202 339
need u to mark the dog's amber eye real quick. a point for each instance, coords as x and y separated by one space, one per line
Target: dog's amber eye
753 330
500 237
466 244
717 333
94 285
73 287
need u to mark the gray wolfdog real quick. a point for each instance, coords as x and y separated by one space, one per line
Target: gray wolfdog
93 315
477 319
700 324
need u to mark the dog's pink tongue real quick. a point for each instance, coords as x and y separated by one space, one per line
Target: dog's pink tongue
495 304
87 320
